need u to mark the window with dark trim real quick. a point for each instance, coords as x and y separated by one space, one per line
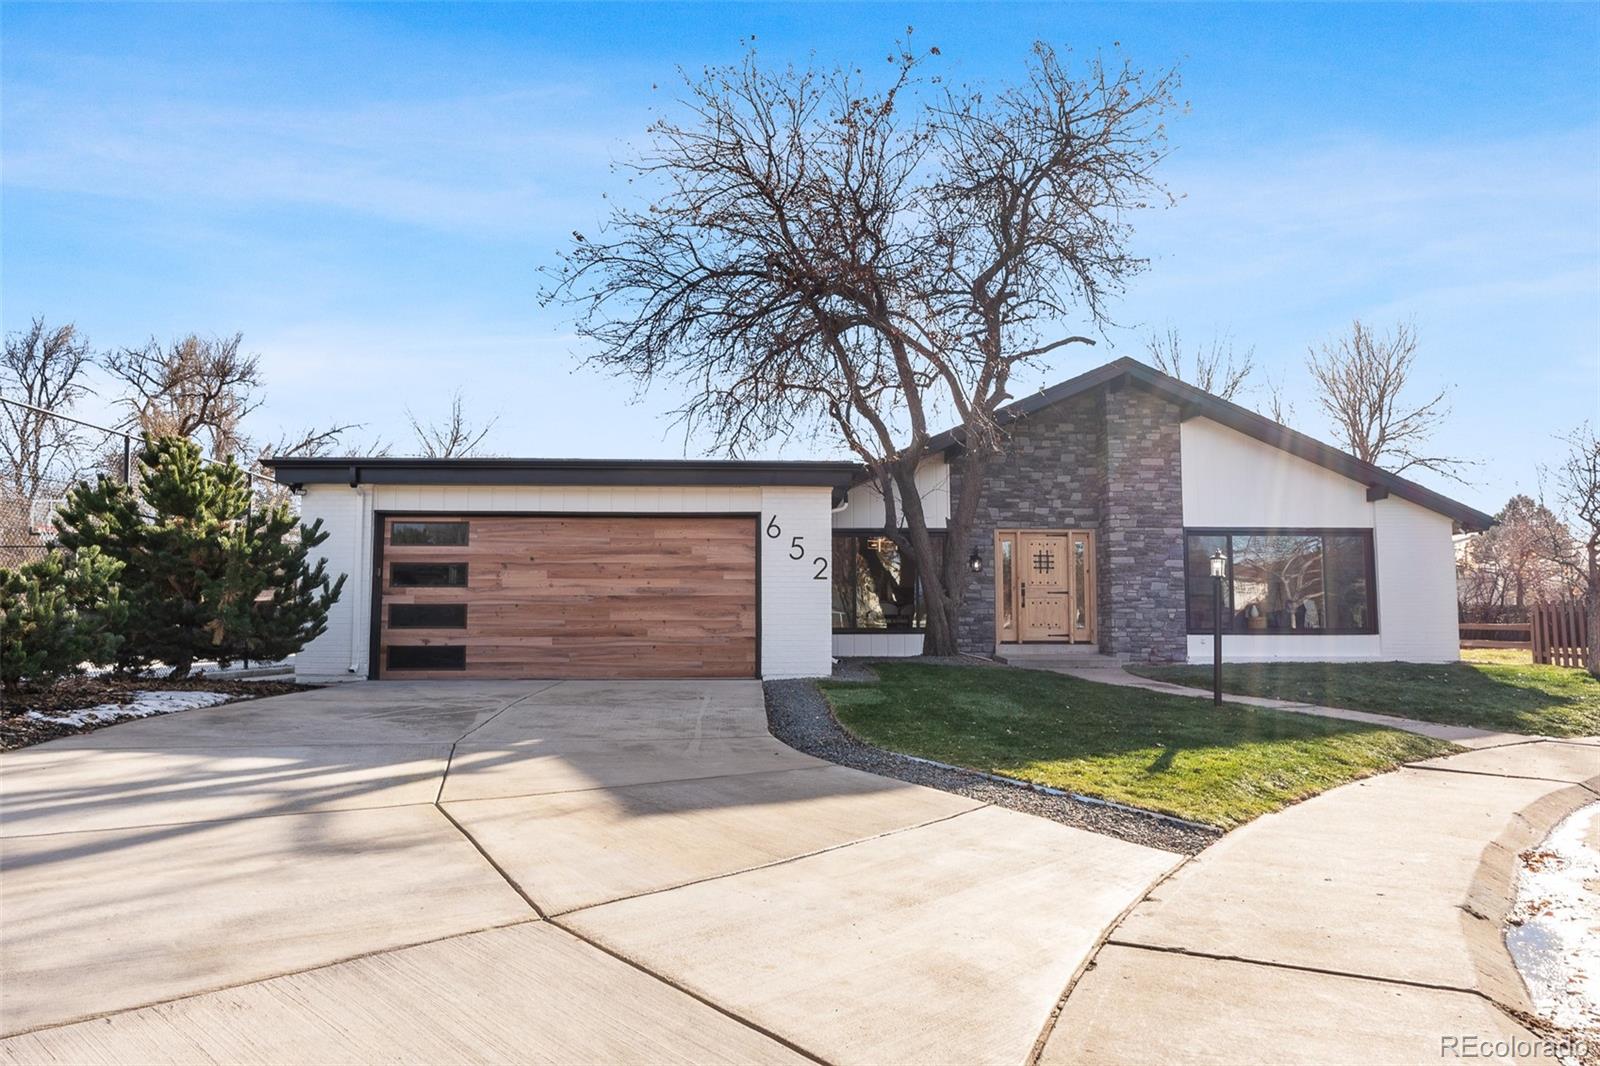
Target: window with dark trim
429 534
427 616
427 657
1284 581
876 587
427 575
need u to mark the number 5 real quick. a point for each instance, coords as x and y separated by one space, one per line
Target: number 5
796 549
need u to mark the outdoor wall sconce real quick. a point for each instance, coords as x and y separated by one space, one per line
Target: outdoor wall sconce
975 562
1219 570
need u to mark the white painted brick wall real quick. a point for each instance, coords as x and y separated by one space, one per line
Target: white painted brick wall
795 635
328 658
863 508
1416 583
1231 480
796 627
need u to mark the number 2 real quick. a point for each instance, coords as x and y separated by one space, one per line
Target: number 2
822 569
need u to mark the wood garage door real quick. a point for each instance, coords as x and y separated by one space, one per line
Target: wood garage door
567 597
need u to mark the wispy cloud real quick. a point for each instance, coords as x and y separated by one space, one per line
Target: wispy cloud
489 164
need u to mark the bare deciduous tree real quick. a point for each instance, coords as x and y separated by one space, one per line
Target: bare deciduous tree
315 441
822 253
1279 407
1575 483
42 367
199 387
1361 380
452 438
1514 562
1214 367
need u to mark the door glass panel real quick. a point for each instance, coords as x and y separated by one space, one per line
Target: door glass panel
1008 586
1080 572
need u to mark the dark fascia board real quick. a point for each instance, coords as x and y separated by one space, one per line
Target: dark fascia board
1194 402
353 470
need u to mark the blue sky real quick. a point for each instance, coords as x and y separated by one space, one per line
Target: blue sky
367 192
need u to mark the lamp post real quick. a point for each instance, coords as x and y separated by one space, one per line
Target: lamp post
1219 570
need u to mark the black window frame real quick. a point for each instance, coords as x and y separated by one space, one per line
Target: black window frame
396 563
395 525
393 607
1228 533
837 534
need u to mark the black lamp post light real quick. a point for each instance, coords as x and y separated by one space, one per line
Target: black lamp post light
1219 570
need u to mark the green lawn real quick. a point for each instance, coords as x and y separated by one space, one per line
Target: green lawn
1553 700
1498 656
1223 766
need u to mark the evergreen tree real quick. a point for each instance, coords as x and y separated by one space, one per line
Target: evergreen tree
58 614
206 575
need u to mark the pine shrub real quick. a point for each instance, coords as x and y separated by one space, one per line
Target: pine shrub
59 615
207 573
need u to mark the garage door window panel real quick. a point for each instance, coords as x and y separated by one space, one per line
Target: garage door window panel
429 534
427 657
427 616
427 575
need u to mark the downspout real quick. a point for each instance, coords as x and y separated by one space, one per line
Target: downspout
358 636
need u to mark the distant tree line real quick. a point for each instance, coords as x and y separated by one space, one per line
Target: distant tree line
199 387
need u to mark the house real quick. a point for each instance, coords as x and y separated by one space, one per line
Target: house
1095 529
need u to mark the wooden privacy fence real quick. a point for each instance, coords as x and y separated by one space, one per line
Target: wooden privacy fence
1560 633
1517 635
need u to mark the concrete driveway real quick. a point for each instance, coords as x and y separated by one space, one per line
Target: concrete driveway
524 871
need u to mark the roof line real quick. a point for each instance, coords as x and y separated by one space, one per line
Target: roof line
391 470
1195 401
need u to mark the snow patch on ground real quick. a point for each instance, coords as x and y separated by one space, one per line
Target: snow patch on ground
145 704
1554 934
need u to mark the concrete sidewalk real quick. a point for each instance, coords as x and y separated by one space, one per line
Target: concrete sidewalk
1106 671
524 871
1364 925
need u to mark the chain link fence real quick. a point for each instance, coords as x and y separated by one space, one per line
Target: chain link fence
35 480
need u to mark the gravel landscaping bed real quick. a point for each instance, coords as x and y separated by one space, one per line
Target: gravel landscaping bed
32 717
798 715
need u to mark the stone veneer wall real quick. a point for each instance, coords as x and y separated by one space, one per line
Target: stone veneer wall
1142 532
1051 478
1107 461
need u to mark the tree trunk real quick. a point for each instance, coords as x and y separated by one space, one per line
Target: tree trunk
939 638
944 577
1592 610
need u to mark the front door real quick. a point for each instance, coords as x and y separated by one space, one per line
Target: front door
1044 586
1045 591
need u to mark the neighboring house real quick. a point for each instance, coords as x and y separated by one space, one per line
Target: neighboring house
1095 529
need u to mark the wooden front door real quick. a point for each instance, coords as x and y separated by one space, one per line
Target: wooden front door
1045 593
1044 586
534 596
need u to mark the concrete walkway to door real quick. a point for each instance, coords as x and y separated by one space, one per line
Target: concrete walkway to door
524 871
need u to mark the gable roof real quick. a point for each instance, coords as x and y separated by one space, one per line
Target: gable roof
1193 401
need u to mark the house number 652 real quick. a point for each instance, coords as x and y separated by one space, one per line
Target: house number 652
797 549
